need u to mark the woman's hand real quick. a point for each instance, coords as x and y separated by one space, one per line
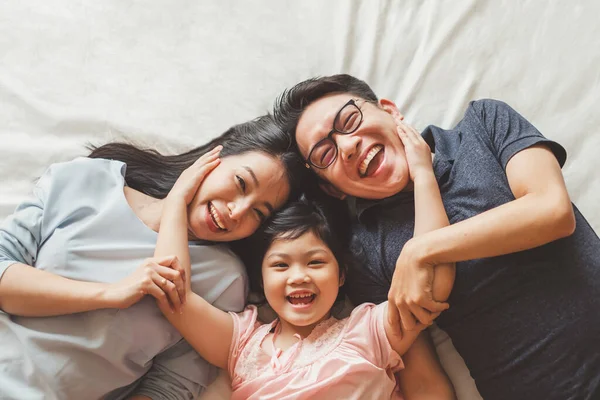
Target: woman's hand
418 153
161 278
190 179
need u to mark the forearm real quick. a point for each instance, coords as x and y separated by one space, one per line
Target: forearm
173 235
212 344
429 209
30 292
431 215
423 377
522 224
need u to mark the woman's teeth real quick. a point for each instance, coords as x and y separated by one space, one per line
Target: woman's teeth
364 165
215 217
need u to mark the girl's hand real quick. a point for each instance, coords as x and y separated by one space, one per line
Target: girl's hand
188 182
418 153
161 278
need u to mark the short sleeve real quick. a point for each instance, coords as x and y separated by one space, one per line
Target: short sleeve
244 325
509 132
21 233
176 374
366 331
364 283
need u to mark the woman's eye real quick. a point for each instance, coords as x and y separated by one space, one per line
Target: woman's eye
242 183
316 262
280 265
260 215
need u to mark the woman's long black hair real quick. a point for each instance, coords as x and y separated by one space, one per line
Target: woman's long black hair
154 174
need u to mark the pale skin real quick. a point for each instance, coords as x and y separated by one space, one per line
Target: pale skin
299 270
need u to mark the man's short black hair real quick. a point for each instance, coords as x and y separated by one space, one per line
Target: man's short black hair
290 105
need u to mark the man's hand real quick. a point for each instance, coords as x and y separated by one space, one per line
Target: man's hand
410 296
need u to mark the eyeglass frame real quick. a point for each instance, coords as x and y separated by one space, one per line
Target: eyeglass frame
329 136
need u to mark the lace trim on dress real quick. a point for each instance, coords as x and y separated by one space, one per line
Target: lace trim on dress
253 361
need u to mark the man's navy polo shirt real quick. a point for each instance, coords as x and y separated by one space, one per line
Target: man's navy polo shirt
527 323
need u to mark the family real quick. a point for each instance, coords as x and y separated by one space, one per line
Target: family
126 275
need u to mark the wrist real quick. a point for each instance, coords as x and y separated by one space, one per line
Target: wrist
420 249
424 175
101 296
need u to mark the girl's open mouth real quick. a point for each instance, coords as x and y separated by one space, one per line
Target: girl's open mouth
301 300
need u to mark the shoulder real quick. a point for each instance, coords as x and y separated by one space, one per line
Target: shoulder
83 170
489 110
218 275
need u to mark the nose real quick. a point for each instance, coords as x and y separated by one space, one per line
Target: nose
348 145
298 276
237 209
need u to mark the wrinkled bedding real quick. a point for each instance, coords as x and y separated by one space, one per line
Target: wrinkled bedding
171 75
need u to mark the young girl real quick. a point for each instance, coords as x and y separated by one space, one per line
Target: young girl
305 352
83 246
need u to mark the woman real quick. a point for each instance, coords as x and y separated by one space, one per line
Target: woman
75 264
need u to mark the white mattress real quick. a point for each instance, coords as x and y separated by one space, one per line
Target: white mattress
173 74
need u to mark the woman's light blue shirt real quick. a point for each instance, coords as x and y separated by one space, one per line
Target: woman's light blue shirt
80 226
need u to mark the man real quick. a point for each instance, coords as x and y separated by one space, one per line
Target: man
524 307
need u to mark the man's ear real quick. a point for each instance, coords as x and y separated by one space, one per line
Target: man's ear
391 108
332 190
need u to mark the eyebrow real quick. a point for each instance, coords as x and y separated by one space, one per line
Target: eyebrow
255 179
309 253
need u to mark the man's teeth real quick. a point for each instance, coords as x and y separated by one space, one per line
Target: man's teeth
365 163
299 296
216 218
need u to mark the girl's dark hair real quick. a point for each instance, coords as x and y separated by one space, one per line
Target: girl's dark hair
322 217
290 105
154 174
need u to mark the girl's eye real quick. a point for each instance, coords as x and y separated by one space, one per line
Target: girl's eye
260 215
242 183
280 265
316 262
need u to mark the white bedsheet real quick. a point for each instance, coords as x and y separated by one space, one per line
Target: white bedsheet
172 74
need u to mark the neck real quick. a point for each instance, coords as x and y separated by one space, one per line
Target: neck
289 330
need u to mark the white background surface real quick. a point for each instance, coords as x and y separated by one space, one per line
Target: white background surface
171 74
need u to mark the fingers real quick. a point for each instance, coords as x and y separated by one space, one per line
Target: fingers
421 314
209 156
394 319
408 321
173 277
156 291
170 290
173 263
173 271
433 306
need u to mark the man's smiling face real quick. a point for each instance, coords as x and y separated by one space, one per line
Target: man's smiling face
371 162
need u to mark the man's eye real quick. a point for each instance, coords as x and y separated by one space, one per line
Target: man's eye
326 157
351 121
242 183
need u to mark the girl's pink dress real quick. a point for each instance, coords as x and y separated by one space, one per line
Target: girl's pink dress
341 359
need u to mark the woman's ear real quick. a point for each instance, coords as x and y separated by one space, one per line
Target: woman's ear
391 108
332 190
342 278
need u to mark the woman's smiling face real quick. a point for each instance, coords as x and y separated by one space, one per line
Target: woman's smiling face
237 196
